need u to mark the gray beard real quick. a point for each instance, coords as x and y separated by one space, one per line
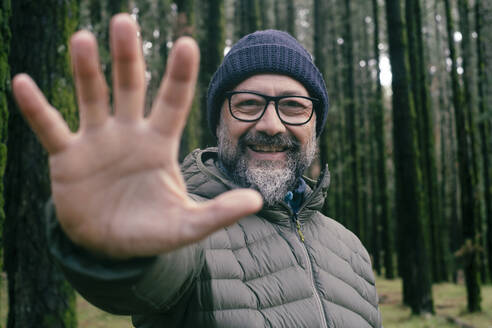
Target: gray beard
273 179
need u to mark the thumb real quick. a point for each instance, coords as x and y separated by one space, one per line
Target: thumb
227 209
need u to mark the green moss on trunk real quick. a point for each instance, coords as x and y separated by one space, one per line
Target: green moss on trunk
40 298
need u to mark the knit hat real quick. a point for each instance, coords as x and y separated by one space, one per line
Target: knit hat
268 51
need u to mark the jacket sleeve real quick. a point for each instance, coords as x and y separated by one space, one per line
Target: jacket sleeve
135 286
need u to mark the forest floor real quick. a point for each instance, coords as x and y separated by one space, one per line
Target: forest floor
449 302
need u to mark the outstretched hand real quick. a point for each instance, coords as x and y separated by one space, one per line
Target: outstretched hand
116 183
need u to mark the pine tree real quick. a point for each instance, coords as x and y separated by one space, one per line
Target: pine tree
291 17
266 11
154 18
470 103
320 61
337 133
350 108
212 51
279 14
37 298
449 234
424 122
247 14
186 26
485 134
413 248
466 177
382 186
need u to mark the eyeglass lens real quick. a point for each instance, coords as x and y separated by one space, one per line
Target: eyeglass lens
291 109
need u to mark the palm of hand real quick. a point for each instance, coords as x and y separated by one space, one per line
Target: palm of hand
116 183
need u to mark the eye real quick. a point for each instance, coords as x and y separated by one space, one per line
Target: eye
294 103
249 102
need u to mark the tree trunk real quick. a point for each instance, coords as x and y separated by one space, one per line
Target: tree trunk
37 298
350 108
337 134
425 131
447 181
154 19
247 13
320 61
212 52
469 214
485 135
413 255
382 185
266 14
364 140
186 26
470 119
279 20
291 17
4 89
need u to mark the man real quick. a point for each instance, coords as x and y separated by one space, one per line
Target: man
134 239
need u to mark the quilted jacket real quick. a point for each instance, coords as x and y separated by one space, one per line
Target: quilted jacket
273 269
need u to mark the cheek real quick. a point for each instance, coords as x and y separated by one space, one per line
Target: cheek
235 129
303 133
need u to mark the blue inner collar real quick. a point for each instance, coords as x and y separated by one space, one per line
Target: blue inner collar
295 197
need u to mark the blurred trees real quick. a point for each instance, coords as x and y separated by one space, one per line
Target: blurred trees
408 137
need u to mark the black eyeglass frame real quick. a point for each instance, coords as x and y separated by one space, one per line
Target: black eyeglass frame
269 99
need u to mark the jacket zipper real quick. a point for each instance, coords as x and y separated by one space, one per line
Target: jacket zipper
310 269
298 226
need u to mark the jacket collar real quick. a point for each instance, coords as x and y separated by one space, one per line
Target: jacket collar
204 178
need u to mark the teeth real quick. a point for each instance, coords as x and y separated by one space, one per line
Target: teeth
267 148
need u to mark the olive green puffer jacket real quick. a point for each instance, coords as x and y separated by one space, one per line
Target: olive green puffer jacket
256 273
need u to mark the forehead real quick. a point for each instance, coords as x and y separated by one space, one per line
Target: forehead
272 84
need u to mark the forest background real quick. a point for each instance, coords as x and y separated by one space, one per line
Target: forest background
408 138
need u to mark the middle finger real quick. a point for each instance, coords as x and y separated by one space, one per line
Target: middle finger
128 69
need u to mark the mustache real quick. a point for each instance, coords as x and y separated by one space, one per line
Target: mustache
260 138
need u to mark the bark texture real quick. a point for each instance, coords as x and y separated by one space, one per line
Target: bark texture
37 298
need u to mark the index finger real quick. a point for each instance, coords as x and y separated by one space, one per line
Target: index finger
177 89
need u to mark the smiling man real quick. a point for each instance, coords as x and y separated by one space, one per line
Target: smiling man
233 238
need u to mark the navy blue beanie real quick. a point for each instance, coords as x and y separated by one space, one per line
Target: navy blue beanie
268 51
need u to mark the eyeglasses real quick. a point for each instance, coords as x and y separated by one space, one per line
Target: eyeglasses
247 106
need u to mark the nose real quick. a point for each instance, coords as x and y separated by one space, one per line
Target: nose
270 123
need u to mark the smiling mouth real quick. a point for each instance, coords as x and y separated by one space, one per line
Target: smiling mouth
267 148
